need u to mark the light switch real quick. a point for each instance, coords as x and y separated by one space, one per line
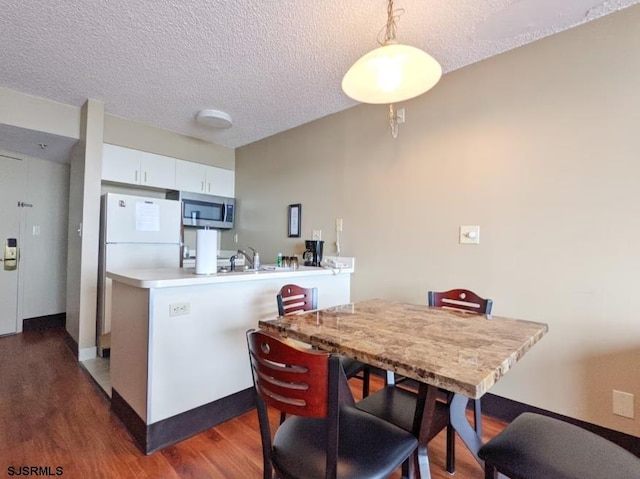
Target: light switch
470 234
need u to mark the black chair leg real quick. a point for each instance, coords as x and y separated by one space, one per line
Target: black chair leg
490 472
366 374
477 416
451 449
409 467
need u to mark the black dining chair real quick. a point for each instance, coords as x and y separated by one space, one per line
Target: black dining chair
324 435
295 299
534 446
402 405
466 301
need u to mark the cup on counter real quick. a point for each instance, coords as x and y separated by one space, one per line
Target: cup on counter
286 262
293 262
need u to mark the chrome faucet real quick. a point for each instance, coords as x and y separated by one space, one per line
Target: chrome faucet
254 261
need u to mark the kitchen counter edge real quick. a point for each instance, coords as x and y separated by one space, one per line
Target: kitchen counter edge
176 277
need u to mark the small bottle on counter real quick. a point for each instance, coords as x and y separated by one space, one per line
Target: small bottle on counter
279 260
256 261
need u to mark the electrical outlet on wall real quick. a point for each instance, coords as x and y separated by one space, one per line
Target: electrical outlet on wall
623 404
316 235
178 309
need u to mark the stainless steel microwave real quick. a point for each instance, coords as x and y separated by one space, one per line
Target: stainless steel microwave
205 210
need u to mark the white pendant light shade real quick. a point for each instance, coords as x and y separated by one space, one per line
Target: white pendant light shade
390 74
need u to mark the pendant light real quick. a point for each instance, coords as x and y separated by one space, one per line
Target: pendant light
391 73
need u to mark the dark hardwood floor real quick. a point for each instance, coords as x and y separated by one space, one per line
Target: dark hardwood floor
52 415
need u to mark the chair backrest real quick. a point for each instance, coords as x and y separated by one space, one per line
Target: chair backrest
288 377
460 299
298 382
293 298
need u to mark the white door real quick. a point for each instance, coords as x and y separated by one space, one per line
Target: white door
12 190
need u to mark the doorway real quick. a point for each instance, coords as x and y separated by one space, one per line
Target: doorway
13 173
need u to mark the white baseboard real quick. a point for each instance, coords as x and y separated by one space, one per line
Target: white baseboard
87 353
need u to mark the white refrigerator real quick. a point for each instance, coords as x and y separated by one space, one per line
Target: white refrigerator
135 233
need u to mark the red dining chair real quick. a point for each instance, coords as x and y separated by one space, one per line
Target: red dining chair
295 299
462 300
324 436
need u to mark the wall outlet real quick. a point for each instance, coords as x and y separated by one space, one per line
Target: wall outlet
623 404
178 309
338 224
316 235
235 238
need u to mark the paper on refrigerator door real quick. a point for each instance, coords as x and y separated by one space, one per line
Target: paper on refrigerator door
147 216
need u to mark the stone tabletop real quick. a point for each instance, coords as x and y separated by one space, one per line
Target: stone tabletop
464 353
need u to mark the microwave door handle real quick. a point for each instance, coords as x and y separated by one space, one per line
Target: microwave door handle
226 212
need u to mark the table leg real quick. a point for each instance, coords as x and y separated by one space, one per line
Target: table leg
459 421
422 423
424 472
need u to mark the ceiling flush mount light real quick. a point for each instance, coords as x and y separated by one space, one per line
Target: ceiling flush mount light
391 73
214 119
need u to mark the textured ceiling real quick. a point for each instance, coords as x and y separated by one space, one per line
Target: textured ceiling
272 65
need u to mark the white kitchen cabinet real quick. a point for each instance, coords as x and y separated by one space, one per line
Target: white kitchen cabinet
221 182
191 176
135 167
200 178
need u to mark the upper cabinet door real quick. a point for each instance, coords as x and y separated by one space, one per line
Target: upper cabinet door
220 182
135 167
191 176
121 165
157 171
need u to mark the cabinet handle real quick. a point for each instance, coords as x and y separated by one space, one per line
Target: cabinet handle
209 187
202 186
145 176
136 178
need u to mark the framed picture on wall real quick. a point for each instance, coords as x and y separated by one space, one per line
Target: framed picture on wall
295 219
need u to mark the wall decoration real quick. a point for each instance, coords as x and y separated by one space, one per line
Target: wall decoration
295 220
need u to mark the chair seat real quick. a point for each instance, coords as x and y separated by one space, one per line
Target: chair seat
397 406
368 447
351 366
539 447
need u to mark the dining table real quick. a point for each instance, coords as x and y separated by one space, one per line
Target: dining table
440 348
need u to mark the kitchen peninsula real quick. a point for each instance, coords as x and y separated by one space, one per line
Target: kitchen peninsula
179 361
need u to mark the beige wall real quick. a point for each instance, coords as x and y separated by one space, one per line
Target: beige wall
35 113
83 233
539 147
123 132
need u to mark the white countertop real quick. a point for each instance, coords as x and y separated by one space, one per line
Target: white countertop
176 277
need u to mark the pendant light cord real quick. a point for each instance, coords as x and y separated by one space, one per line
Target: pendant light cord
390 28
393 121
390 31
